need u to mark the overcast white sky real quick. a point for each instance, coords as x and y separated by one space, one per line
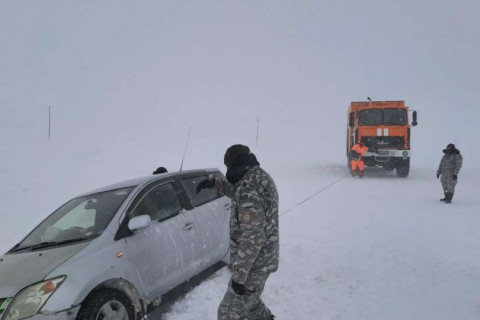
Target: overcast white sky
142 72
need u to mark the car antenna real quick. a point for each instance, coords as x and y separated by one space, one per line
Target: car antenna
186 145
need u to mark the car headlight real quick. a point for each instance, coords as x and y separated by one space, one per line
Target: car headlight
31 299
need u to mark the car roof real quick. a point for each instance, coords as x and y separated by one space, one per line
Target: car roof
140 181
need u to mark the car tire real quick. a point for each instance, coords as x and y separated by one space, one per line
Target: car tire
106 304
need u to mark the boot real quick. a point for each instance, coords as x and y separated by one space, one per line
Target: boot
352 173
360 174
444 196
449 197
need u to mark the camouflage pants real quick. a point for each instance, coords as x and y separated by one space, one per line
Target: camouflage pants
448 183
248 306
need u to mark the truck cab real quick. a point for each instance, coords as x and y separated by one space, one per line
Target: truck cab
382 126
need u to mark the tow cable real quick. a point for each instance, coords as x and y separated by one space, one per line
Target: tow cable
313 195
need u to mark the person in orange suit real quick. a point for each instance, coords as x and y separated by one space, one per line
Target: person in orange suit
356 162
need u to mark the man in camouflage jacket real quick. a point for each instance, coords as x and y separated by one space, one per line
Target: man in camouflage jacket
254 245
449 168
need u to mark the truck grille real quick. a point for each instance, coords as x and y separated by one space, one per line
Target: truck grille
384 142
3 305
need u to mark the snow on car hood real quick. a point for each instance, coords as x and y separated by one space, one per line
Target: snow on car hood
21 269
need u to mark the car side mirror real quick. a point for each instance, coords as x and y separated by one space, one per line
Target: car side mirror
139 222
414 116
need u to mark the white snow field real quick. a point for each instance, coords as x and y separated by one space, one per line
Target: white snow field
380 247
377 248
125 80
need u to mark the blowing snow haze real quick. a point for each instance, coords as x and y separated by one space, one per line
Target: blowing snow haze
125 81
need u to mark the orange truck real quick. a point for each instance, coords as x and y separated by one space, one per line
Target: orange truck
382 126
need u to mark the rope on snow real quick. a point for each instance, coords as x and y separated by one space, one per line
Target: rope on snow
313 195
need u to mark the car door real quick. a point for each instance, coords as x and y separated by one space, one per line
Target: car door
165 251
212 215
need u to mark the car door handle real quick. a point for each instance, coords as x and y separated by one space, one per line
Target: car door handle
188 226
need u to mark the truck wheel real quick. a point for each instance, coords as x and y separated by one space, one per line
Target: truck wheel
403 168
106 304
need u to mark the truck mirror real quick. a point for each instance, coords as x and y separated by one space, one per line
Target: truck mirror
414 121
351 121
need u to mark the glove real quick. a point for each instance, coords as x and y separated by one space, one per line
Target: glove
438 175
204 184
454 176
238 288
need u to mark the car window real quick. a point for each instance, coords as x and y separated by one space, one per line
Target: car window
206 195
160 203
81 217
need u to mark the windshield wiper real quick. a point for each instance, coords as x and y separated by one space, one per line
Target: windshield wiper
47 244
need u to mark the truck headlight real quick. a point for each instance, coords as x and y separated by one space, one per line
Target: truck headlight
30 300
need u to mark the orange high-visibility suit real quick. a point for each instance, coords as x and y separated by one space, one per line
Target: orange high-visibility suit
356 155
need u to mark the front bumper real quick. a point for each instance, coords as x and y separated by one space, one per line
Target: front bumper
389 154
69 314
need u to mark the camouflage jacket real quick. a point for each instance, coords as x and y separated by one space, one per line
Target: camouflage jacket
253 223
450 164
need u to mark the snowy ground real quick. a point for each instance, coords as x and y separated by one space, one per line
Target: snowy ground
377 248
381 247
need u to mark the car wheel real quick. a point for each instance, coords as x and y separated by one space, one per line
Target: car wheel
106 305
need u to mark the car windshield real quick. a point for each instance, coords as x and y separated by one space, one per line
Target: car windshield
376 117
80 219
370 117
395 117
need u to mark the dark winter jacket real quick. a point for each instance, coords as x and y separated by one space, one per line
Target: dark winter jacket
451 163
254 242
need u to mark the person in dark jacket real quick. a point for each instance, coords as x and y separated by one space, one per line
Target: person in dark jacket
254 245
448 169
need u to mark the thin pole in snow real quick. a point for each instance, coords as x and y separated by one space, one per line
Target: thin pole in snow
258 126
49 122
186 145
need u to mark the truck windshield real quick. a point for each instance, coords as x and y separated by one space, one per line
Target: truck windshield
395 117
376 117
370 117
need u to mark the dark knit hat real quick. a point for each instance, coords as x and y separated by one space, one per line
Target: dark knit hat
232 153
450 146
160 170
